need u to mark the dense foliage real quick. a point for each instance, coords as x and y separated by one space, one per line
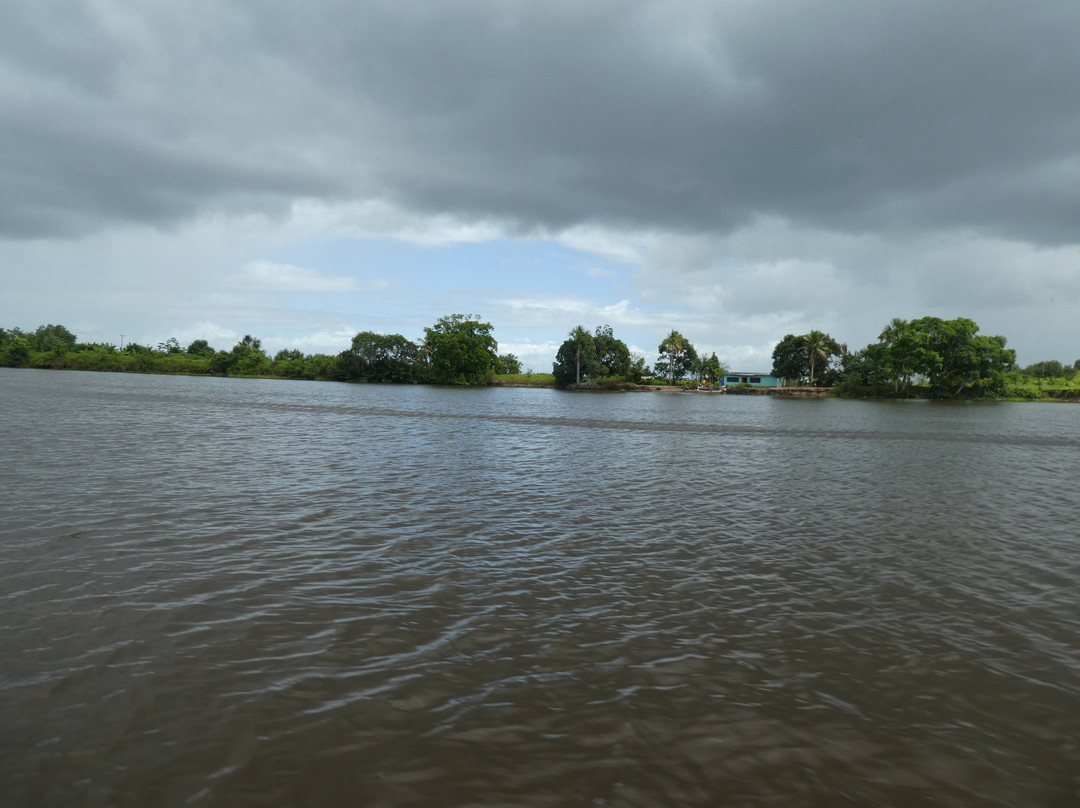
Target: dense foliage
678 359
1050 369
585 357
928 357
381 358
507 365
947 358
709 369
612 354
458 349
807 358
591 359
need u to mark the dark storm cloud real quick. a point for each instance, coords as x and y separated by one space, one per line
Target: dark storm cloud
69 182
691 116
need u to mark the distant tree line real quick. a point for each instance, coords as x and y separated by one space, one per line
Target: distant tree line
929 357
1051 369
586 359
457 349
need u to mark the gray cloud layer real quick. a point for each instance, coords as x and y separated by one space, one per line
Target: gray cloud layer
684 116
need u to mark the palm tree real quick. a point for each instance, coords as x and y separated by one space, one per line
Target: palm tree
893 331
817 344
674 345
580 339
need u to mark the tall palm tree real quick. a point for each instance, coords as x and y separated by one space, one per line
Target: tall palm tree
580 338
674 345
893 331
817 345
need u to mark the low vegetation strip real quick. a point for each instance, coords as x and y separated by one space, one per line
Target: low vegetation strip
924 358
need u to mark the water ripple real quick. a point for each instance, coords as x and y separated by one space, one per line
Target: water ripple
222 593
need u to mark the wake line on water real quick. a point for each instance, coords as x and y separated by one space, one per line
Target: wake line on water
717 429
721 430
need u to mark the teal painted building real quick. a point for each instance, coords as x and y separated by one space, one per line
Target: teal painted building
752 379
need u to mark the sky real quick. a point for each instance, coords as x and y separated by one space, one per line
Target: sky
736 170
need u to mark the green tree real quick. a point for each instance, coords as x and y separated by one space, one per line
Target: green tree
870 367
138 358
245 359
380 358
460 350
819 347
53 338
323 366
710 370
1049 369
200 347
799 358
576 358
677 357
612 354
953 358
893 331
507 363
790 359
900 354
957 360
222 362
15 351
290 363
170 346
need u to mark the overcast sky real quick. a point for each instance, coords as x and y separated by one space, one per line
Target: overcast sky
734 169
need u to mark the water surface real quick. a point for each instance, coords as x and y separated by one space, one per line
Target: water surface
222 592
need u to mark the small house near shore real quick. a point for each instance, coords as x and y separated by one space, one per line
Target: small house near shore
752 379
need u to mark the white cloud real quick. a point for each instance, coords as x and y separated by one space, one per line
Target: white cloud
541 309
220 337
377 218
621 246
267 276
535 356
330 342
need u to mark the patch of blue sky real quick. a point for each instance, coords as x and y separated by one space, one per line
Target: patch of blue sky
511 266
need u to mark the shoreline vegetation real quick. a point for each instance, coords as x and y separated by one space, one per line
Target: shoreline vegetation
928 358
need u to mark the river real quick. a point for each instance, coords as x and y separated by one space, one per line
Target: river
229 592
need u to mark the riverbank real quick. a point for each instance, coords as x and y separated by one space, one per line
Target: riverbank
593 387
1016 393
627 387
